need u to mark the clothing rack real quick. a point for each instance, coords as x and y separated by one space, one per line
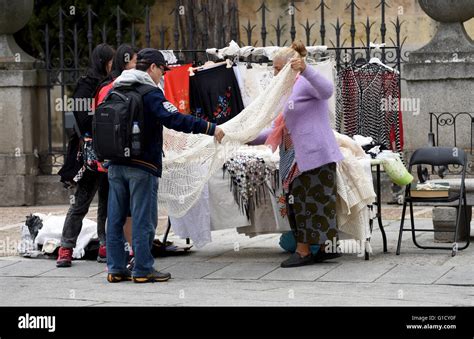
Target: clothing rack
343 57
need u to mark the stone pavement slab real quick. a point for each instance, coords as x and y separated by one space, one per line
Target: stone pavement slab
27 268
4 263
238 270
459 276
416 274
364 271
253 254
79 269
195 270
305 273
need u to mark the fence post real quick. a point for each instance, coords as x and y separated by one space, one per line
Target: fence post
48 89
278 31
292 11
322 29
263 32
147 26
307 29
249 30
338 28
118 34
176 26
90 34
353 6
61 66
233 22
383 26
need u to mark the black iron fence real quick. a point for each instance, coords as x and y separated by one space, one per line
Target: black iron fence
453 129
65 60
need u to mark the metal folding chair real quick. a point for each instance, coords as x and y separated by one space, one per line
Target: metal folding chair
437 156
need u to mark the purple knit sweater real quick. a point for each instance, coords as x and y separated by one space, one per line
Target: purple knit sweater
307 119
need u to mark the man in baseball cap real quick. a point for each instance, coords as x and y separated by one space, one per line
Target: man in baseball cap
152 56
133 183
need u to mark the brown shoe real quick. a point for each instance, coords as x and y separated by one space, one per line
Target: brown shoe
153 277
119 277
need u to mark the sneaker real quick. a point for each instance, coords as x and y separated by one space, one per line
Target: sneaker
119 277
153 277
64 257
295 260
102 256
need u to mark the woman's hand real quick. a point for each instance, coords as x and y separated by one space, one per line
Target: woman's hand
298 64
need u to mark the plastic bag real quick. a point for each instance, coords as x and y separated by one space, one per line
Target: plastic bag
26 244
53 229
395 168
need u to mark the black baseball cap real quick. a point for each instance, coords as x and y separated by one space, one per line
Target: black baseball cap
152 56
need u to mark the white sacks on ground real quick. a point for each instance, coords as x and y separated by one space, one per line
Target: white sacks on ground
185 154
53 228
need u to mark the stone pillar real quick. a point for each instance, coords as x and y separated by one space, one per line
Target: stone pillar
20 103
444 220
441 74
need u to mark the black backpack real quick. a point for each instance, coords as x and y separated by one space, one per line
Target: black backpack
113 122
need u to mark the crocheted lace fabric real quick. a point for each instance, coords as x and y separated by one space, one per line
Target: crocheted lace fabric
186 154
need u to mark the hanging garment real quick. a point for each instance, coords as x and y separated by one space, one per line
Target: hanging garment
180 187
169 56
196 224
254 80
364 105
215 95
177 87
240 81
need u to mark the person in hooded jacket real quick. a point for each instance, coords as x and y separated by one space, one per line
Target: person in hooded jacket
88 182
134 182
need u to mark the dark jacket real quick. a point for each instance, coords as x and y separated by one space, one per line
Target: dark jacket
85 89
158 112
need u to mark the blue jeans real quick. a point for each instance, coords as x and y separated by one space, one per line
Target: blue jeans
137 190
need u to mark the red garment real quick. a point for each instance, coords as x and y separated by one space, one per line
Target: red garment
177 87
276 136
103 93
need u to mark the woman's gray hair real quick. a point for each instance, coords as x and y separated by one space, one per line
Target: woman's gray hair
285 54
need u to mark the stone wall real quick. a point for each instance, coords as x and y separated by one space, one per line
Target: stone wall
418 27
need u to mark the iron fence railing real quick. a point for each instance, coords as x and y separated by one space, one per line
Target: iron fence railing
65 59
453 129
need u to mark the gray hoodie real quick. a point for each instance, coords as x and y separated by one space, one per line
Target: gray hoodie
132 76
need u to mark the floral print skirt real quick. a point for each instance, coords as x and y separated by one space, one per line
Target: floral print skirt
311 205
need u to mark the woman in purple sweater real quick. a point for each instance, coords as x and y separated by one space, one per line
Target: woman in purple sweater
308 156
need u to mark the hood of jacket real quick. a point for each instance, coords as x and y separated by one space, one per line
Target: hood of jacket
132 76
